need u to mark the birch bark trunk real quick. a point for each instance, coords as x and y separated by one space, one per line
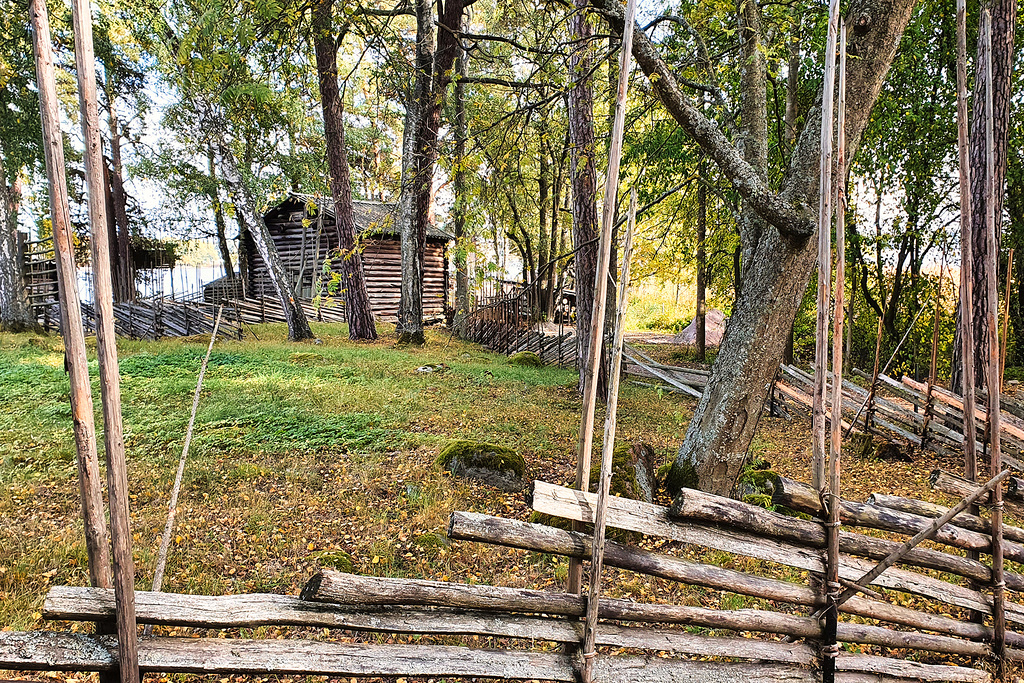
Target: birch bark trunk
410 307
298 326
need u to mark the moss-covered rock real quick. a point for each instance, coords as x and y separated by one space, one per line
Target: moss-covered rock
527 359
431 540
634 471
336 559
488 463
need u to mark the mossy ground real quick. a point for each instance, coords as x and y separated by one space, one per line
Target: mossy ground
526 359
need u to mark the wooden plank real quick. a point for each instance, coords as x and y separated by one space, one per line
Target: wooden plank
42 650
912 670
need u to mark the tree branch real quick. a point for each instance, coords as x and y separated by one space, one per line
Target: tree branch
795 221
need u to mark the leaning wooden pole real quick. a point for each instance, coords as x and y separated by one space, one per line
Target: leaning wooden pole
824 256
992 361
611 187
966 245
172 506
607 451
93 518
833 501
106 349
1006 318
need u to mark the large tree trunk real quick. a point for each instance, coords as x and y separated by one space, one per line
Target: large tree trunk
777 270
357 301
449 24
15 312
583 174
298 326
410 307
1004 15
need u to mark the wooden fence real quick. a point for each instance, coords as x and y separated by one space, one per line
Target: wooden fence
39 270
906 609
506 325
156 318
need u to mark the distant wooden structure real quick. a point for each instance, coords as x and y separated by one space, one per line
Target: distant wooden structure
303 229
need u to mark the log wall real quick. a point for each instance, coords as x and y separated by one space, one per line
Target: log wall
305 243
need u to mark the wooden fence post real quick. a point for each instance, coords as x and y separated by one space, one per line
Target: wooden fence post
611 187
966 246
106 349
992 364
607 451
72 330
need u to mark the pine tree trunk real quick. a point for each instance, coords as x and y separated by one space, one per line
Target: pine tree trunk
702 264
357 301
15 312
583 172
124 283
410 308
298 326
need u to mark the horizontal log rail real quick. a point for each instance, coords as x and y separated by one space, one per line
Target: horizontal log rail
801 497
45 650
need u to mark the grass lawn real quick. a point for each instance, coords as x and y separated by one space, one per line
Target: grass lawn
303 454
322 454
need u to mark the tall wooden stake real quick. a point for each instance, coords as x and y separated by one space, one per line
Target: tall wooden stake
96 540
966 248
833 503
933 365
611 186
992 365
106 349
824 256
1006 318
607 451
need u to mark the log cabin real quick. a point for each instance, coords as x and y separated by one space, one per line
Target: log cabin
303 230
